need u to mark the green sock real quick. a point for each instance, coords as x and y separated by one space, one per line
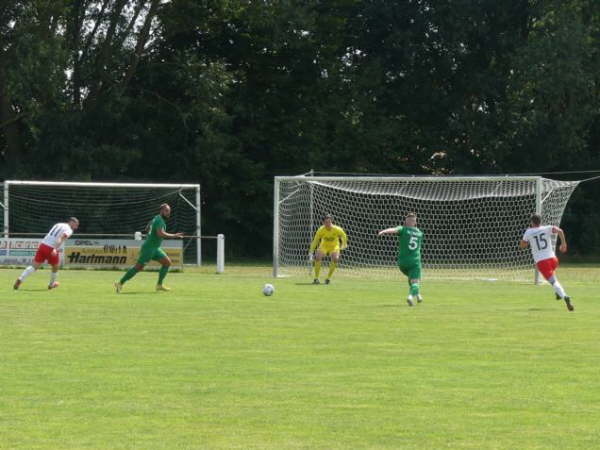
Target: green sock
129 275
332 267
162 273
414 288
317 268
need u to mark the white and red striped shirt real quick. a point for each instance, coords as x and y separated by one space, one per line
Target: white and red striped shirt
53 236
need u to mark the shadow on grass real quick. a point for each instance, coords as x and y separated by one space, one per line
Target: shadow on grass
32 290
137 293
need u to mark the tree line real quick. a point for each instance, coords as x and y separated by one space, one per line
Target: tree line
229 93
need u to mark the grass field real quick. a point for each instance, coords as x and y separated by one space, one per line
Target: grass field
214 364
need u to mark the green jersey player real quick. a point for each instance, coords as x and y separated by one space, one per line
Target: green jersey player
151 251
410 239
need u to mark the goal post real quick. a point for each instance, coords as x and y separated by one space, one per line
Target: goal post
472 225
109 209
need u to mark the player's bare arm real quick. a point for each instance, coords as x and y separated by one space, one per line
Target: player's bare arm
563 240
163 234
523 244
388 231
61 239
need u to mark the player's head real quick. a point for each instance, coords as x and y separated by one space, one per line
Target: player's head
328 220
73 223
536 220
411 219
165 210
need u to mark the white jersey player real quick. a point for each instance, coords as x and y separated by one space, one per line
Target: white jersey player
540 239
48 251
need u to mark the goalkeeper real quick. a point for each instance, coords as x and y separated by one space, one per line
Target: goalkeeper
331 240
409 254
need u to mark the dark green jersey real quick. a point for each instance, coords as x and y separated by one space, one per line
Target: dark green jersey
153 239
409 245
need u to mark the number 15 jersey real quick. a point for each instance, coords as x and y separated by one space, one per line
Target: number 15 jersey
540 241
409 245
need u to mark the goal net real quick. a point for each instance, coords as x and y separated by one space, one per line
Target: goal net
471 225
30 208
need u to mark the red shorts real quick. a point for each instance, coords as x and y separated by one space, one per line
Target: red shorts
547 266
46 253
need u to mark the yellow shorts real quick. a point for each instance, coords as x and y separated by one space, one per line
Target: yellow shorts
329 249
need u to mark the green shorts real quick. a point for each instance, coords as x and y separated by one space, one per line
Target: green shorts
411 270
150 254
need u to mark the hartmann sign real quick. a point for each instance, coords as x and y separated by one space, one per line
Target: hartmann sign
117 253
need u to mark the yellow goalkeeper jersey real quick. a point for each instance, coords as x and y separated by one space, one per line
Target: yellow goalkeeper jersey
329 238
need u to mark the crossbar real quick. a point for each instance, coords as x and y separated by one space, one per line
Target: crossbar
94 184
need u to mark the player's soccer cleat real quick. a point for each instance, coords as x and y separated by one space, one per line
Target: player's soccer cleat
419 299
118 287
316 281
160 287
17 284
409 300
327 281
558 297
570 307
53 285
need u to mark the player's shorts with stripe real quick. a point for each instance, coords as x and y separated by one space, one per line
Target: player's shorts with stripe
547 266
148 254
46 253
411 269
329 249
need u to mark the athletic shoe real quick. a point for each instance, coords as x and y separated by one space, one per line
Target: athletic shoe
53 285
160 287
316 281
558 297
17 284
118 287
409 300
419 299
327 281
570 307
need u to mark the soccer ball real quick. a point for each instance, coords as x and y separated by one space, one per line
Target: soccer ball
268 289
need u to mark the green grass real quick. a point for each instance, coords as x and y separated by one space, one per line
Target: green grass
214 364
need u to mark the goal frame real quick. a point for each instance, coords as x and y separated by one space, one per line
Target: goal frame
536 180
196 206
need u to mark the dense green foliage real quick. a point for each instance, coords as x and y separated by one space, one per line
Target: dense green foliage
231 93
215 365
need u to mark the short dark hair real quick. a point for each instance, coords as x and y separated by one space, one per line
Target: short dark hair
73 219
536 219
327 216
164 205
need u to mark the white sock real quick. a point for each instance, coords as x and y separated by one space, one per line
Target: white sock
53 276
26 273
558 289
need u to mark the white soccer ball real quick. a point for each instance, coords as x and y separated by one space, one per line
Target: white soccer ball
268 289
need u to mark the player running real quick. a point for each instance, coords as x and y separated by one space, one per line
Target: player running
328 237
151 250
48 251
409 254
539 238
